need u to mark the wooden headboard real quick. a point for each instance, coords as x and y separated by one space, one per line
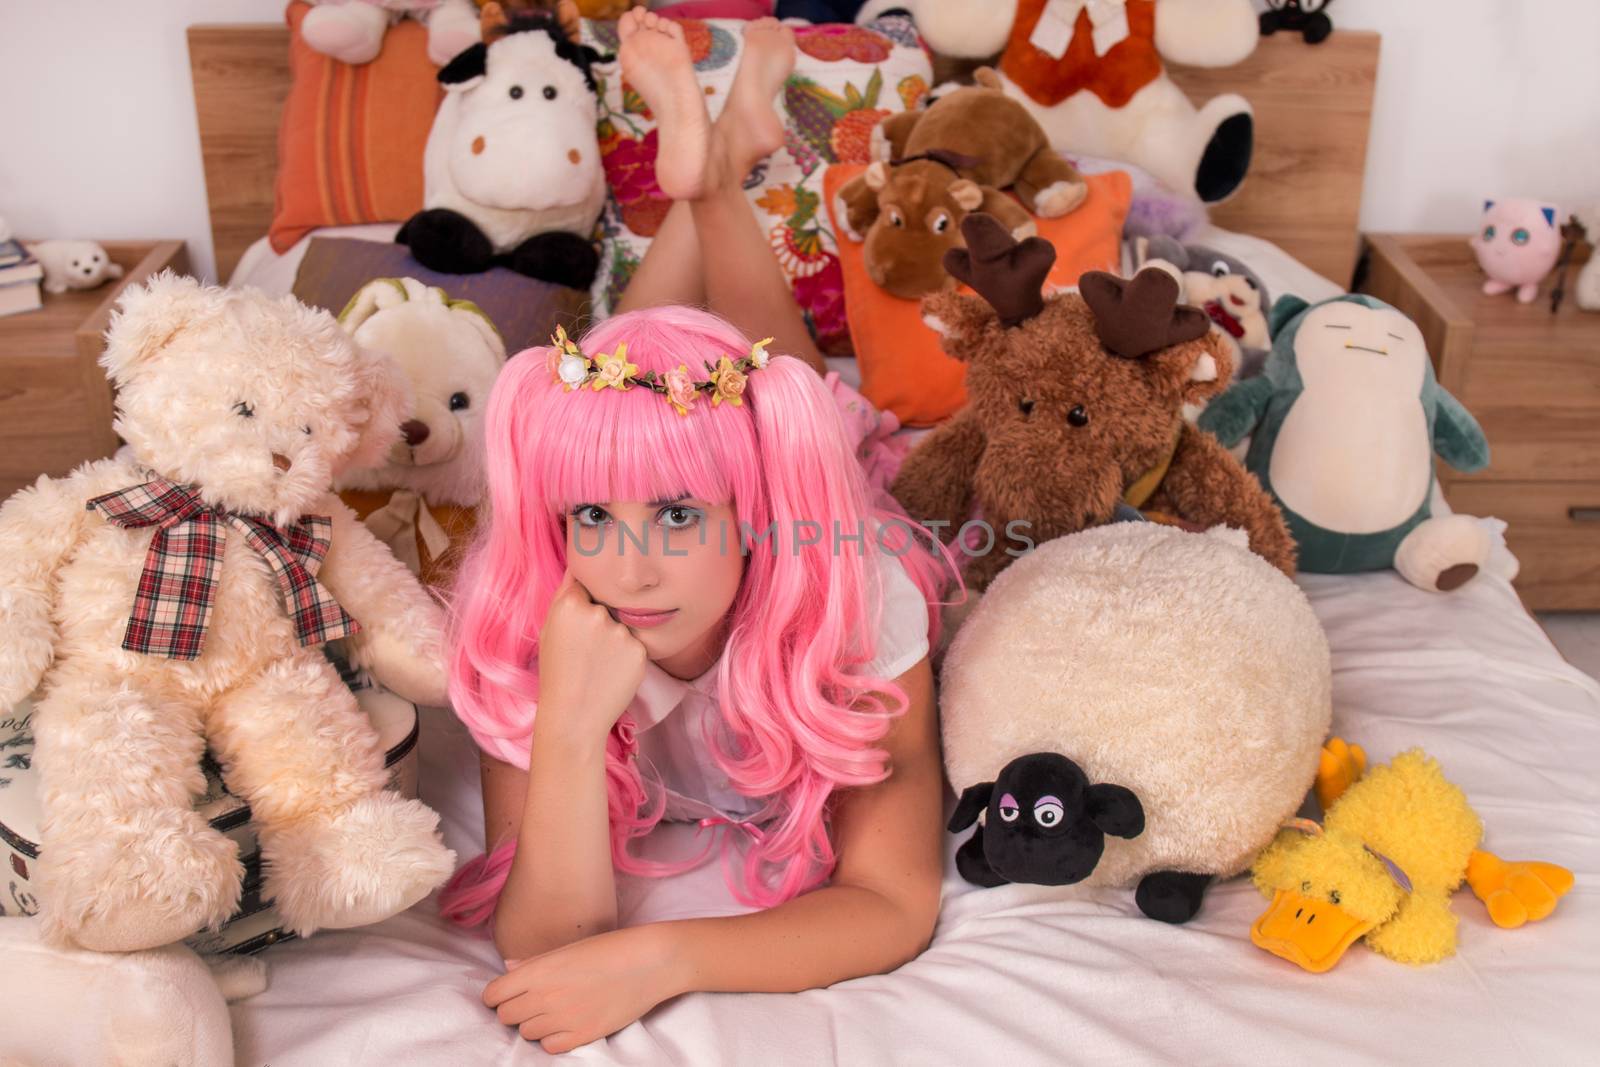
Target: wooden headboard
1313 108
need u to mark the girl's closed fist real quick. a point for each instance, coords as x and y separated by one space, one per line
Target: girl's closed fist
590 665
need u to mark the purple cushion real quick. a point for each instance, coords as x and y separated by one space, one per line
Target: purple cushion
525 310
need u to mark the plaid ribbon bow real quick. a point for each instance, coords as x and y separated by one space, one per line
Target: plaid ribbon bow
172 605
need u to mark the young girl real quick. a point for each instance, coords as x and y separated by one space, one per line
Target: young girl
685 606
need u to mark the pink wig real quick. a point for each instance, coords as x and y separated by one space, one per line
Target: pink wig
797 722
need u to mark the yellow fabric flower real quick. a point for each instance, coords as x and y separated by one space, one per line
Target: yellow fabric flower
729 381
613 369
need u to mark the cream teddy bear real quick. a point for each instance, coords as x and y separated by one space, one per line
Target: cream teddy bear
422 501
173 598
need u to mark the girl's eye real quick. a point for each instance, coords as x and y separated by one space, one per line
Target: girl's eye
1519 237
1008 808
1048 812
460 401
678 517
1488 233
516 92
549 92
244 410
590 514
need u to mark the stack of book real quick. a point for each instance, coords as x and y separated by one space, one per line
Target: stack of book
19 279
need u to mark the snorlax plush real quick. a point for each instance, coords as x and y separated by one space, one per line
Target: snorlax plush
1345 420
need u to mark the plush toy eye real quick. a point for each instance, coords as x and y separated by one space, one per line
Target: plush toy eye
75 264
1251 282
895 220
1220 269
1078 417
1008 808
97 257
1519 237
549 92
1025 406
460 401
1333 896
1488 233
306 430
516 92
1048 812
941 223
244 410
1305 887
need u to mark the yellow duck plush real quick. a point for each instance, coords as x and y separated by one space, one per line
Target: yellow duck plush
1393 847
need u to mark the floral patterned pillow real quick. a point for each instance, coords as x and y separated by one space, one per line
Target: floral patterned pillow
846 79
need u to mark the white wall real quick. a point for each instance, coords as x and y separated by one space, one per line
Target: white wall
97 124
1478 98
1475 98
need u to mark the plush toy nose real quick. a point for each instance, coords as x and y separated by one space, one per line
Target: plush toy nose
280 461
415 432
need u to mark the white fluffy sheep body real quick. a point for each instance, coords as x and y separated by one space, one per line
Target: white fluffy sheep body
1179 665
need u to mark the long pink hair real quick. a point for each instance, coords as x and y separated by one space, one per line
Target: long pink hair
797 721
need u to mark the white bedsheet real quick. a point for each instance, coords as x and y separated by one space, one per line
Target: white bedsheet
1025 975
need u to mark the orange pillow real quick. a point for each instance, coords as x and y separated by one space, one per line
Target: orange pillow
351 139
902 366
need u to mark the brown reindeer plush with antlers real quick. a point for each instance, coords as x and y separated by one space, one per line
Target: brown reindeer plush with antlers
1074 406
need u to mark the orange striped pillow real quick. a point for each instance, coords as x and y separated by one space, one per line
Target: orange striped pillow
351 140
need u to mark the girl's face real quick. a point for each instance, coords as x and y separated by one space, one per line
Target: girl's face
667 569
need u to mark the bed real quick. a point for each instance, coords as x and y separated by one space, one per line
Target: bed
1024 974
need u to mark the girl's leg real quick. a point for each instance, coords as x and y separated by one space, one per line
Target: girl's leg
671 271
703 165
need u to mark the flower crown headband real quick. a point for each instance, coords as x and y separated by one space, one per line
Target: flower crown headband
611 370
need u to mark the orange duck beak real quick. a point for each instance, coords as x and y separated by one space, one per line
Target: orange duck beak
1310 933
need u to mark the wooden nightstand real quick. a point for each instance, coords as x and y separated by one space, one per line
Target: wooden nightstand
55 402
1533 381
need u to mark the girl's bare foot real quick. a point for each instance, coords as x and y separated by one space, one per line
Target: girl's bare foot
749 121
655 60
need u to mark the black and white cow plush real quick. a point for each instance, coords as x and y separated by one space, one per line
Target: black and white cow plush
512 170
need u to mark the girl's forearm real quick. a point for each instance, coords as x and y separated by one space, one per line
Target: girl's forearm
561 887
815 940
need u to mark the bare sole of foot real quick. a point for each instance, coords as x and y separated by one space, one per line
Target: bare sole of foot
750 121
655 59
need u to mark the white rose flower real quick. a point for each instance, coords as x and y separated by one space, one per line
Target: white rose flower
573 370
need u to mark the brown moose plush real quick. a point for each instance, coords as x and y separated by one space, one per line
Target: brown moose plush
1074 406
953 158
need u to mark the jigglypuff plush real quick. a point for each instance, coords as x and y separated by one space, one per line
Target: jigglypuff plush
173 598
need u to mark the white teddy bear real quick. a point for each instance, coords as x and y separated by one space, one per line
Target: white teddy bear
422 500
172 599
73 265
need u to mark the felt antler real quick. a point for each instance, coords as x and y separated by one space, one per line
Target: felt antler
1008 274
1137 317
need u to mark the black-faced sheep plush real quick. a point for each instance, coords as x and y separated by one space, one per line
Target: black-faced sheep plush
1180 666
1046 824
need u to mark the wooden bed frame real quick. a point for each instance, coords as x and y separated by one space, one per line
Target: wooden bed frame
1313 108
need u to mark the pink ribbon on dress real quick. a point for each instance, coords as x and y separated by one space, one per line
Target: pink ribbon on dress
748 827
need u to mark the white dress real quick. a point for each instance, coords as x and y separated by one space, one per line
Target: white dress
672 715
